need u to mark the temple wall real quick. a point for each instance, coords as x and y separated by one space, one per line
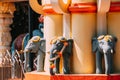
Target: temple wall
113 28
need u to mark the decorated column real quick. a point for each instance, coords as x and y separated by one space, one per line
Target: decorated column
114 29
6 14
52 24
83 22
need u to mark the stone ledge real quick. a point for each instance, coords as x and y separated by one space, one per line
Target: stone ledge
46 76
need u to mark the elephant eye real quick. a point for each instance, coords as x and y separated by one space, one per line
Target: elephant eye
102 43
59 44
30 44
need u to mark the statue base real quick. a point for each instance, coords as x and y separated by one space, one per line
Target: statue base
46 76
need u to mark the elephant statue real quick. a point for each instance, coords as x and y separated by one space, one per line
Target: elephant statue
104 45
61 49
37 45
20 43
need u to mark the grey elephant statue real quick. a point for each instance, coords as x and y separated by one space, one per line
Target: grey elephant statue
37 45
104 45
61 49
20 43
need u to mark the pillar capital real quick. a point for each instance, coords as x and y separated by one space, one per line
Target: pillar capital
6 9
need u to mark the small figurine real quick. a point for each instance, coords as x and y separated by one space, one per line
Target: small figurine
104 45
61 49
21 41
37 45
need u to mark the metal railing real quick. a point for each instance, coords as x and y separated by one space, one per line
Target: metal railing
11 66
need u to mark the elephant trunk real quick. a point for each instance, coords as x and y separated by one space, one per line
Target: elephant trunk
52 59
26 50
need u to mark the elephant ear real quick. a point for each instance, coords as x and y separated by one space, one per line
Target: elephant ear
69 48
115 39
94 44
42 45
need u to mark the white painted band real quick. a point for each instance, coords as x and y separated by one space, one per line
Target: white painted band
36 6
103 5
103 8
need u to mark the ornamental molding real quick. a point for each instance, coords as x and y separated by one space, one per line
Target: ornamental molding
7 8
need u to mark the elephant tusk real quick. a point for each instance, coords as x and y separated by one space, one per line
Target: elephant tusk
112 51
54 51
52 59
104 51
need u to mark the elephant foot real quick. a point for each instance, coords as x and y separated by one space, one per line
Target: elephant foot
52 68
52 71
98 71
67 72
57 71
29 70
107 72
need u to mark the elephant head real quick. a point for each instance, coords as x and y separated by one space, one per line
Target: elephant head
57 45
104 44
61 49
33 44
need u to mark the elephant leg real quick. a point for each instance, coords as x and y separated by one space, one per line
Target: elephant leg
52 64
66 63
26 62
108 57
57 62
31 59
98 63
13 70
40 61
22 57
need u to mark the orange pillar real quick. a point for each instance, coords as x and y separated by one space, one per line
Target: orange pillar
83 23
114 29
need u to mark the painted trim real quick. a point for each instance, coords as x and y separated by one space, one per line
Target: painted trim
47 8
83 7
115 7
103 6
92 7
